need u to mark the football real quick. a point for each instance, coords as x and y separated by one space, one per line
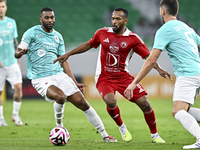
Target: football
59 136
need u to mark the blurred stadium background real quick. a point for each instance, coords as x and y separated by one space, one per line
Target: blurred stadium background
77 21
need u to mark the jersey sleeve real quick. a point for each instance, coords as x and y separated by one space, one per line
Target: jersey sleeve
161 39
61 48
198 39
94 41
27 36
140 47
15 29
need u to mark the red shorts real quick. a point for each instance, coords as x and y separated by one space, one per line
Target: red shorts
105 86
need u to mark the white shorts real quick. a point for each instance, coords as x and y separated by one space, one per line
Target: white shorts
186 89
12 74
62 81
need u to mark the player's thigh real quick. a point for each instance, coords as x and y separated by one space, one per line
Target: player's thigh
42 84
2 78
186 89
14 75
104 87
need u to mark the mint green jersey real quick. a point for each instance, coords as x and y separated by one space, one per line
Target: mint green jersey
43 49
181 43
8 31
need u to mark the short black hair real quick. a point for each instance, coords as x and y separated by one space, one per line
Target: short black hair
171 6
3 1
124 11
45 9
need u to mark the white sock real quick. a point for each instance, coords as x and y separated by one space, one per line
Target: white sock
122 129
195 112
1 112
58 111
188 122
16 107
94 118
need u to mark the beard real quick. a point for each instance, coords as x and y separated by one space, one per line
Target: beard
116 30
48 26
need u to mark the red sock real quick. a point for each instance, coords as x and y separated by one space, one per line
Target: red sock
115 114
150 120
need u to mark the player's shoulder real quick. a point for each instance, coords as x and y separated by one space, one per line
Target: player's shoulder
10 19
56 33
104 29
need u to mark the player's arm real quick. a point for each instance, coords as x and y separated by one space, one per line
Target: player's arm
15 46
149 63
21 49
199 47
80 49
67 69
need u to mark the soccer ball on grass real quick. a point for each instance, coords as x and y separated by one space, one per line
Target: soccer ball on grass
59 136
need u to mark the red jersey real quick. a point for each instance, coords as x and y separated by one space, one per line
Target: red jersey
116 51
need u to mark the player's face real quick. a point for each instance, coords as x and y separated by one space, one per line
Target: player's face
3 9
118 21
47 20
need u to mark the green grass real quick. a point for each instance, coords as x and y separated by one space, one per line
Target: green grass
38 119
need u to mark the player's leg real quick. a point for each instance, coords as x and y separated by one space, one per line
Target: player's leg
150 119
2 84
55 93
78 100
184 94
195 112
107 93
17 104
14 77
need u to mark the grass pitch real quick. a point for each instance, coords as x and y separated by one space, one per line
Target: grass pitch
38 119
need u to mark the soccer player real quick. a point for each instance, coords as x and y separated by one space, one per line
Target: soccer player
118 44
9 65
56 83
182 45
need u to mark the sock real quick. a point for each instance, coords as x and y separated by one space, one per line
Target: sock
58 111
122 129
115 114
188 122
16 107
1 112
94 118
150 120
195 112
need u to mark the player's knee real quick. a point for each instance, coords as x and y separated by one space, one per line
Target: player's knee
60 98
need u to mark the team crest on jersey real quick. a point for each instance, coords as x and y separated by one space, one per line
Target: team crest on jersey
114 48
9 25
56 38
41 52
123 44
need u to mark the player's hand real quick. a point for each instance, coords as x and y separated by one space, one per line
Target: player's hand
20 52
62 58
81 87
1 64
164 74
128 93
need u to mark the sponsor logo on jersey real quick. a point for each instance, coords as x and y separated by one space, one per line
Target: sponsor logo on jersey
114 48
40 35
9 25
5 33
123 44
41 52
106 40
56 38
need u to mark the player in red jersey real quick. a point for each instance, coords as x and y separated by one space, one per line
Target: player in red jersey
117 45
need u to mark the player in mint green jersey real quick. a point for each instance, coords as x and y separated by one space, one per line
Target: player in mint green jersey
182 45
9 65
56 83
